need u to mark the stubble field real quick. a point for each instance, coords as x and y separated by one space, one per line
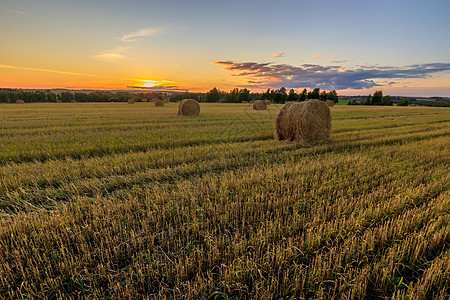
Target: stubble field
128 201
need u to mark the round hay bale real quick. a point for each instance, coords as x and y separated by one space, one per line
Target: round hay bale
166 100
330 103
73 101
305 122
412 105
159 103
259 105
267 102
58 101
188 107
20 102
131 101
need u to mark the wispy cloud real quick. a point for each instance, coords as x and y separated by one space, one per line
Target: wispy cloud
113 55
148 31
336 59
47 70
63 72
279 54
326 77
18 12
315 55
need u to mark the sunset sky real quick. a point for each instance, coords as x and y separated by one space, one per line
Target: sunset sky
355 47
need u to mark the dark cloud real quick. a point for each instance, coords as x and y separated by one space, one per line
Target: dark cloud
326 77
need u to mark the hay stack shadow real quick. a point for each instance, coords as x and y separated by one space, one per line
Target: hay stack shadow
304 122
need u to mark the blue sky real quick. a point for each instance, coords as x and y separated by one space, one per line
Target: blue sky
401 47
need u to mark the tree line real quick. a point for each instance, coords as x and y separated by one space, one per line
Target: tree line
12 95
214 95
376 99
273 95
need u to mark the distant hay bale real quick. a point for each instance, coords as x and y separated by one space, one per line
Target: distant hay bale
166 100
330 103
58 101
259 105
73 101
20 102
159 103
267 102
188 107
131 101
412 105
305 122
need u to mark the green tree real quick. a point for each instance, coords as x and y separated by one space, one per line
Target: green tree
332 95
303 95
279 96
388 100
244 95
314 94
403 102
292 96
377 98
323 96
232 96
213 95
67 96
368 100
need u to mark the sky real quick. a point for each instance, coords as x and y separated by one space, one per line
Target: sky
356 47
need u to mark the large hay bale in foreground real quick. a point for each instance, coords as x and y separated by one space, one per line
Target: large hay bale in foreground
20 102
159 103
259 105
305 122
267 102
330 103
131 101
188 107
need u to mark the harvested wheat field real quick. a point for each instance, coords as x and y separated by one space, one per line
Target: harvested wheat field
113 201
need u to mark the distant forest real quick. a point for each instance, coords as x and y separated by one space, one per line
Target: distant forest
214 95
